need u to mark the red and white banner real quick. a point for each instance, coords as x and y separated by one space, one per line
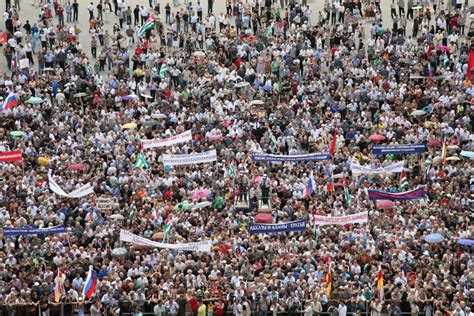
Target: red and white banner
357 218
11 156
173 140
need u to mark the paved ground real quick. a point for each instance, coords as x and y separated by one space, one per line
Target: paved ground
30 12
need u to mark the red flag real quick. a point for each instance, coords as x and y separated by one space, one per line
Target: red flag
332 148
11 156
470 64
3 37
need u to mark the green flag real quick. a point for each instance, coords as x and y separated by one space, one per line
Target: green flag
149 25
232 170
141 162
133 210
347 195
167 228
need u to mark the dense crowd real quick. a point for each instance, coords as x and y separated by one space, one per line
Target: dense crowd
270 77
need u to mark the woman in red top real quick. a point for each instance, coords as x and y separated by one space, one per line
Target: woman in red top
219 309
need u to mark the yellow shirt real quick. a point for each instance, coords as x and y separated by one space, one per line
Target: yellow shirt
202 310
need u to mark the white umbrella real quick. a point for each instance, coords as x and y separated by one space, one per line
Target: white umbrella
117 216
158 115
241 84
80 94
257 102
418 113
119 252
199 54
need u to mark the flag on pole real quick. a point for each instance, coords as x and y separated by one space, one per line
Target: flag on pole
270 29
332 148
380 284
329 282
470 64
141 161
90 284
331 183
403 180
347 195
272 137
58 286
133 211
3 37
168 224
232 170
9 102
163 70
310 186
149 25
444 152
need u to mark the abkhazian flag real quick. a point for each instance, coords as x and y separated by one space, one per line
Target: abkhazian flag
133 211
141 162
168 224
163 70
232 170
149 25
347 195
270 29
403 180
58 286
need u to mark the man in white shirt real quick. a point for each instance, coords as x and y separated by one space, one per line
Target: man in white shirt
342 309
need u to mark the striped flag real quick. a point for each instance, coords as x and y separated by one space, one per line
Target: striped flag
141 162
9 102
332 147
403 180
163 70
168 224
331 183
444 152
347 195
90 285
133 211
329 282
310 186
58 286
232 170
380 284
270 29
272 137
149 25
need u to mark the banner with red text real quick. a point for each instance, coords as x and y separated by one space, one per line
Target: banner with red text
357 218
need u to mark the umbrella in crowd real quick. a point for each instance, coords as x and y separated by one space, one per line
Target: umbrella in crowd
434 238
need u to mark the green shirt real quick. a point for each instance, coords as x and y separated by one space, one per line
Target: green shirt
202 310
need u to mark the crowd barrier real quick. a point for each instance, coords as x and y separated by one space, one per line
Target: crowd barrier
128 308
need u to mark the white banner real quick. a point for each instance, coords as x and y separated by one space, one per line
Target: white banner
358 169
173 140
203 246
357 218
105 204
200 205
86 189
176 160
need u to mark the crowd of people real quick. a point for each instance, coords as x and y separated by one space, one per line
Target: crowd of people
269 77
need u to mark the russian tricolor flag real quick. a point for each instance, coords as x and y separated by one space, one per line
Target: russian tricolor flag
310 186
9 102
90 285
